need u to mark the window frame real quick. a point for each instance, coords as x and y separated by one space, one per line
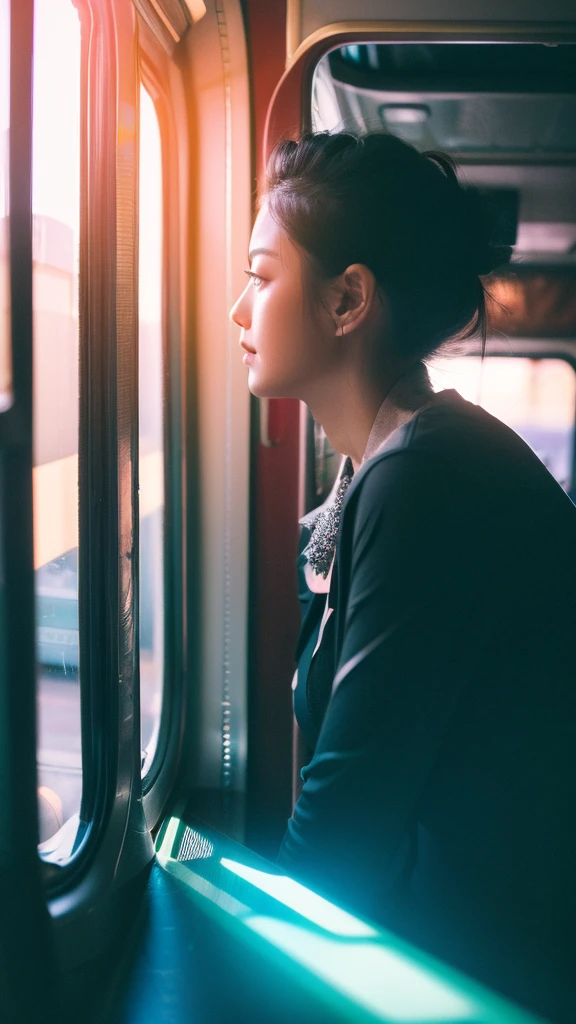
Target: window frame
114 845
111 815
163 81
101 879
68 837
27 967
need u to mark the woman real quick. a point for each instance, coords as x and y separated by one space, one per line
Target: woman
435 680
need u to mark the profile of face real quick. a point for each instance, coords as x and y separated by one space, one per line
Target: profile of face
296 345
284 346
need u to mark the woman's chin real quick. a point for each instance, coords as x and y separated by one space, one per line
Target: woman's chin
254 385
262 387
258 387
261 390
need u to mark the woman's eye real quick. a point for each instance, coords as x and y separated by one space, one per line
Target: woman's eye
256 281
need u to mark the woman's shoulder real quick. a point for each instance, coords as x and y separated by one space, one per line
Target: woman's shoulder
454 451
448 424
452 430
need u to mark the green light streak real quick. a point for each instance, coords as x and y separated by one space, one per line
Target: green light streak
380 979
305 902
361 973
165 851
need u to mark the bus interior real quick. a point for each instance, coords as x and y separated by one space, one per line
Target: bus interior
149 504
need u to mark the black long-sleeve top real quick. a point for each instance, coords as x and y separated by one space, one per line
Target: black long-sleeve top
441 705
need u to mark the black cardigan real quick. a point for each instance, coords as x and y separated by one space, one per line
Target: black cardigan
440 799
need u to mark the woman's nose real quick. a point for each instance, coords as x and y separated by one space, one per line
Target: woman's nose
239 314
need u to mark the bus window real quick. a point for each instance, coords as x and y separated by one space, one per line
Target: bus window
151 430
5 360
56 212
536 397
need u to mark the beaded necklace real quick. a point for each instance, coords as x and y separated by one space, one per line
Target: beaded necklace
320 548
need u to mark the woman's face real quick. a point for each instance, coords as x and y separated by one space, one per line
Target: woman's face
285 348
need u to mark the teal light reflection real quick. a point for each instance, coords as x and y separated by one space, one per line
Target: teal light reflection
305 902
164 852
168 857
361 973
221 899
374 976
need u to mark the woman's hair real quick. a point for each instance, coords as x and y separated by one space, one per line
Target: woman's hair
376 200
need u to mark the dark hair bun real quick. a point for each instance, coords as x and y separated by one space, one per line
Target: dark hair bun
377 200
475 221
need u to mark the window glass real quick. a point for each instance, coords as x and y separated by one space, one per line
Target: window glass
55 212
151 391
5 359
536 397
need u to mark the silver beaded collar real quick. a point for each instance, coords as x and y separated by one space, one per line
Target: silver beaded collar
319 551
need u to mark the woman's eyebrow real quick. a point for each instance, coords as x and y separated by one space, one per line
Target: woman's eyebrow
262 252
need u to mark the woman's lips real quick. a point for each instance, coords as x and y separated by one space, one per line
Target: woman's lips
249 353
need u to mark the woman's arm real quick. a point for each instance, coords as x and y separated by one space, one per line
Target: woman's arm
417 616
301 755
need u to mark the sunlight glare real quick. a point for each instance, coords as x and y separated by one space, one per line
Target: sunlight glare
150 206
56 129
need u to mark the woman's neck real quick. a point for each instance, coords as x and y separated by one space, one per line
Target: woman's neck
347 408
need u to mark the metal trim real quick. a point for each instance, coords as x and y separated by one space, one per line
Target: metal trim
293 28
157 781
371 31
169 20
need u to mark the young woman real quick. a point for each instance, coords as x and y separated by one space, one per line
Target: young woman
436 682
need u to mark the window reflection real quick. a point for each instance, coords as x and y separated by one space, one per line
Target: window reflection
5 355
55 236
151 390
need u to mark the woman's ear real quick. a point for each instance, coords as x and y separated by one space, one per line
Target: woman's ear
351 298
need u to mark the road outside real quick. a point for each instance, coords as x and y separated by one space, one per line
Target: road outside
59 737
